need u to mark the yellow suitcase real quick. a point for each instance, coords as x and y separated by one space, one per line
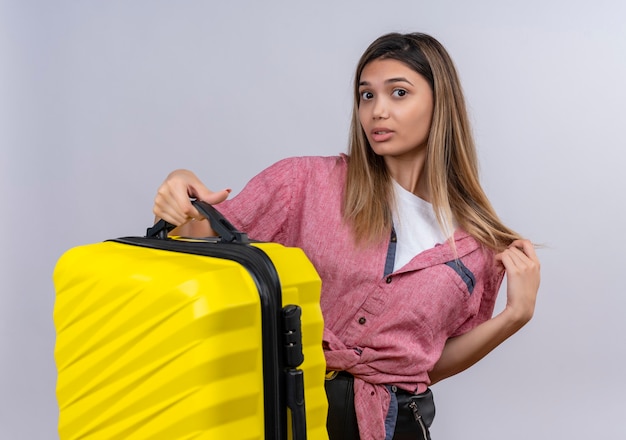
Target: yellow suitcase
161 338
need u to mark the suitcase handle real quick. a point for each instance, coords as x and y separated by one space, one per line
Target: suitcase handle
224 229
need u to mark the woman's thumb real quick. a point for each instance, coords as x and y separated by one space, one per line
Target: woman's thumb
213 198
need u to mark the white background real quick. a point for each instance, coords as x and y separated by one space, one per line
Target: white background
99 100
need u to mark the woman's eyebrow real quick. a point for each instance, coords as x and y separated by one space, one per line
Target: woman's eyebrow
388 81
399 79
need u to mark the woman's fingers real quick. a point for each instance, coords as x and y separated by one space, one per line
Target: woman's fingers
523 277
172 202
519 255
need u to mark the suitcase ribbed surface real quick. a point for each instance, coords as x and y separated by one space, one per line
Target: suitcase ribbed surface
159 345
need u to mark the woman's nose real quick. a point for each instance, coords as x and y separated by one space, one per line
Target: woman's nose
380 109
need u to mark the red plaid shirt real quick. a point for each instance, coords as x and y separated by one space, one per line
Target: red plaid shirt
384 329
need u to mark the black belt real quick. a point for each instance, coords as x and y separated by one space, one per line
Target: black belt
332 375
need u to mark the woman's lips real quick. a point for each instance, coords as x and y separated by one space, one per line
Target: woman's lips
381 134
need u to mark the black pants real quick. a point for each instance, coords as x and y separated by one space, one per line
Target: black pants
415 412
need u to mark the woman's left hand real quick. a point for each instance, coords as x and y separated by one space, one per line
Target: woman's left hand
523 276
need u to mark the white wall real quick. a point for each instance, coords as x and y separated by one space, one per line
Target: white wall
99 100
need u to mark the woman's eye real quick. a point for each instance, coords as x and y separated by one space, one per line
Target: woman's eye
399 92
365 96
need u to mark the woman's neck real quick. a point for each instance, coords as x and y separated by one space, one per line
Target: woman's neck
410 175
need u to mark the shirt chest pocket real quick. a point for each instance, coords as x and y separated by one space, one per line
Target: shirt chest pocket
462 276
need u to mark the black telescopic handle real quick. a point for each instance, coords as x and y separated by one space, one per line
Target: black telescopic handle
224 229
295 402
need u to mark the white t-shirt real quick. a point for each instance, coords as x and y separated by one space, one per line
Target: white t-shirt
415 224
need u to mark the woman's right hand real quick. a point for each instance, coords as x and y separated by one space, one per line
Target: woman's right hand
172 202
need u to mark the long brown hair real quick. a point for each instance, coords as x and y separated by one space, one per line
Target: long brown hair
451 165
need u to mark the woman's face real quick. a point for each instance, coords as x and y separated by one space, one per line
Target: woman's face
395 109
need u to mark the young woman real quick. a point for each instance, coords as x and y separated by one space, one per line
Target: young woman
410 251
